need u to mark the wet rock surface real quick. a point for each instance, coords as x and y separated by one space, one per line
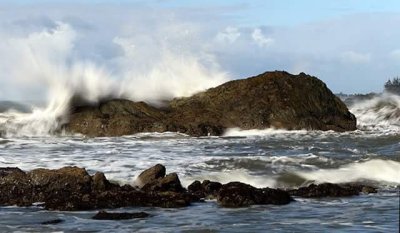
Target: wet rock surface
72 188
103 215
237 194
207 189
332 190
272 99
154 179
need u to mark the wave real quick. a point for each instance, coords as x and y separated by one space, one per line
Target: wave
378 114
377 170
47 58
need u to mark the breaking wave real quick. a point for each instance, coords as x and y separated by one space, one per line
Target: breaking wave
47 60
379 114
383 171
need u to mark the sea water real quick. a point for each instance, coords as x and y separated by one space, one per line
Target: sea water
262 158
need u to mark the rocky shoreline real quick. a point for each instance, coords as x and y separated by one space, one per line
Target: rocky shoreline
272 99
73 189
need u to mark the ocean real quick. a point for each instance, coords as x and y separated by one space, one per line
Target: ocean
263 158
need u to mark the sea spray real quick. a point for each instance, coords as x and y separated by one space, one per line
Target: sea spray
380 114
47 60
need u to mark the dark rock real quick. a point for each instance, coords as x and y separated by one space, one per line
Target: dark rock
327 190
236 194
154 179
272 99
207 189
51 222
151 175
368 189
100 183
71 188
170 183
103 215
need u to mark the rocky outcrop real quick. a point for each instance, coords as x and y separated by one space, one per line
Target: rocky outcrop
332 190
72 188
237 194
207 189
272 99
154 179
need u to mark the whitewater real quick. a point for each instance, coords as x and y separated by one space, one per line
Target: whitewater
263 158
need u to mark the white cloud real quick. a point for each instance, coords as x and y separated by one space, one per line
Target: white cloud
355 57
260 39
230 35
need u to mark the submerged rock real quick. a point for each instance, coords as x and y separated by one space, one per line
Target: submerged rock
53 221
237 194
272 99
103 215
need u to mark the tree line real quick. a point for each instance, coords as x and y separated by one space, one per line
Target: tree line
393 85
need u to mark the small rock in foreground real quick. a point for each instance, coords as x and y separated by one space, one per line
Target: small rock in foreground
53 221
103 215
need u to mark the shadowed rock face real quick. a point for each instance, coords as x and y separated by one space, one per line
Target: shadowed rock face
272 99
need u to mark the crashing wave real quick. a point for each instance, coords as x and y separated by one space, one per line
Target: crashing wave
380 113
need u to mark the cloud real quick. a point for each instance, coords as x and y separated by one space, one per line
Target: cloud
260 39
162 48
229 34
355 57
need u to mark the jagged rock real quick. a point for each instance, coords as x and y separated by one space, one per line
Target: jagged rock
154 179
207 189
103 215
272 99
331 190
237 194
151 175
99 182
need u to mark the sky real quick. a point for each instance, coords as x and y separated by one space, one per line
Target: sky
168 48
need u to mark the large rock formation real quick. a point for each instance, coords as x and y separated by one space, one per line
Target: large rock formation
272 99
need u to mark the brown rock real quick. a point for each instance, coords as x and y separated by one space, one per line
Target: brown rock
71 188
272 99
151 175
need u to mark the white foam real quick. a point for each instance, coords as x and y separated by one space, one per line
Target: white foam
380 114
378 170
240 175
47 60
